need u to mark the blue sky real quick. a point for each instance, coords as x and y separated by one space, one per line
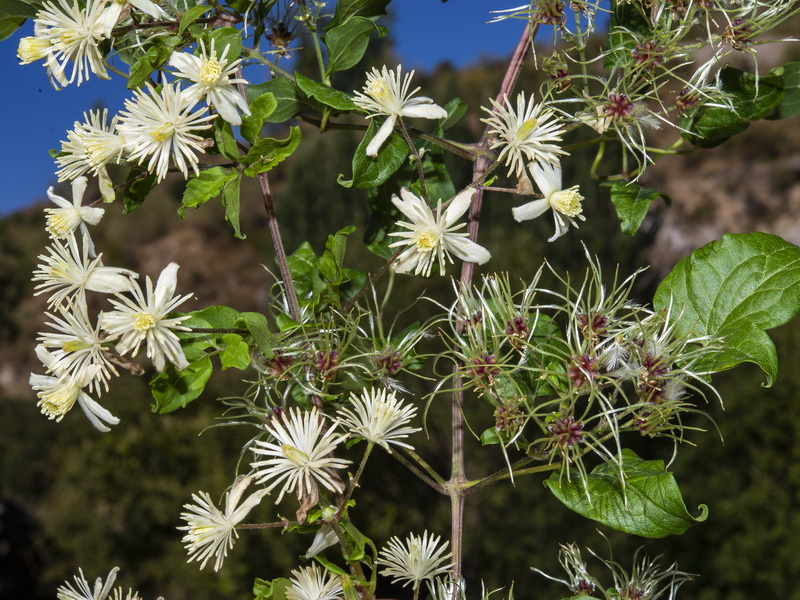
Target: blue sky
426 32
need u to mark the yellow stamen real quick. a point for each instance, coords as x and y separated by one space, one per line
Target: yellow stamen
426 241
163 133
567 202
143 322
210 72
32 48
377 89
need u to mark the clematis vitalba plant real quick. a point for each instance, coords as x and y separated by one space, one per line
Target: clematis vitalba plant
554 372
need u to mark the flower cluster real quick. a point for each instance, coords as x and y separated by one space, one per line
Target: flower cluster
80 355
158 126
101 590
67 33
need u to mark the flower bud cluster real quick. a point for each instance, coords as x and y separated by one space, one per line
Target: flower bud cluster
568 371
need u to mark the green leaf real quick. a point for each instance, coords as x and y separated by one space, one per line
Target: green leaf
790 105
331 263
735 288
271 590
712 125
347 9
304 267
285 94
16 8
136 190
8 25
230 200
173 389
260 108
489 437
649 504
208 184
217 316
257 325
347 43
437 178
369 172
268 152
236 353
191 15
631 202
226 141
324 94
456 109
160 50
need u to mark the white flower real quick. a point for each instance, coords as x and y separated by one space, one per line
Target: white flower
434 237
65 219
324 538
212 80
118 10
524 135
419 559
211 532
67 271
57 395
90 146
78 345
101 590
73 34
385 95
380 419
566 204
313 583
300 455
159 125
144 319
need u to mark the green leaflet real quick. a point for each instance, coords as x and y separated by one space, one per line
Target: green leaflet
347 9
324 94
260 108
735 288
648 504
370 172
631 202
347 43
269 152
712 125
285 94
208 184
173 389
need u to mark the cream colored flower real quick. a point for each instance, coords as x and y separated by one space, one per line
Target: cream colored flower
69 216
212 80
67 271
301 455
420 558
73 34
566 204
144 319
386 94
159 126
379 418
525 134
211 532
58 394
313 583
90 146
431 237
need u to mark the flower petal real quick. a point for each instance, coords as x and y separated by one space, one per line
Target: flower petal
547 176
458 206
467 250
383 134
531 210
